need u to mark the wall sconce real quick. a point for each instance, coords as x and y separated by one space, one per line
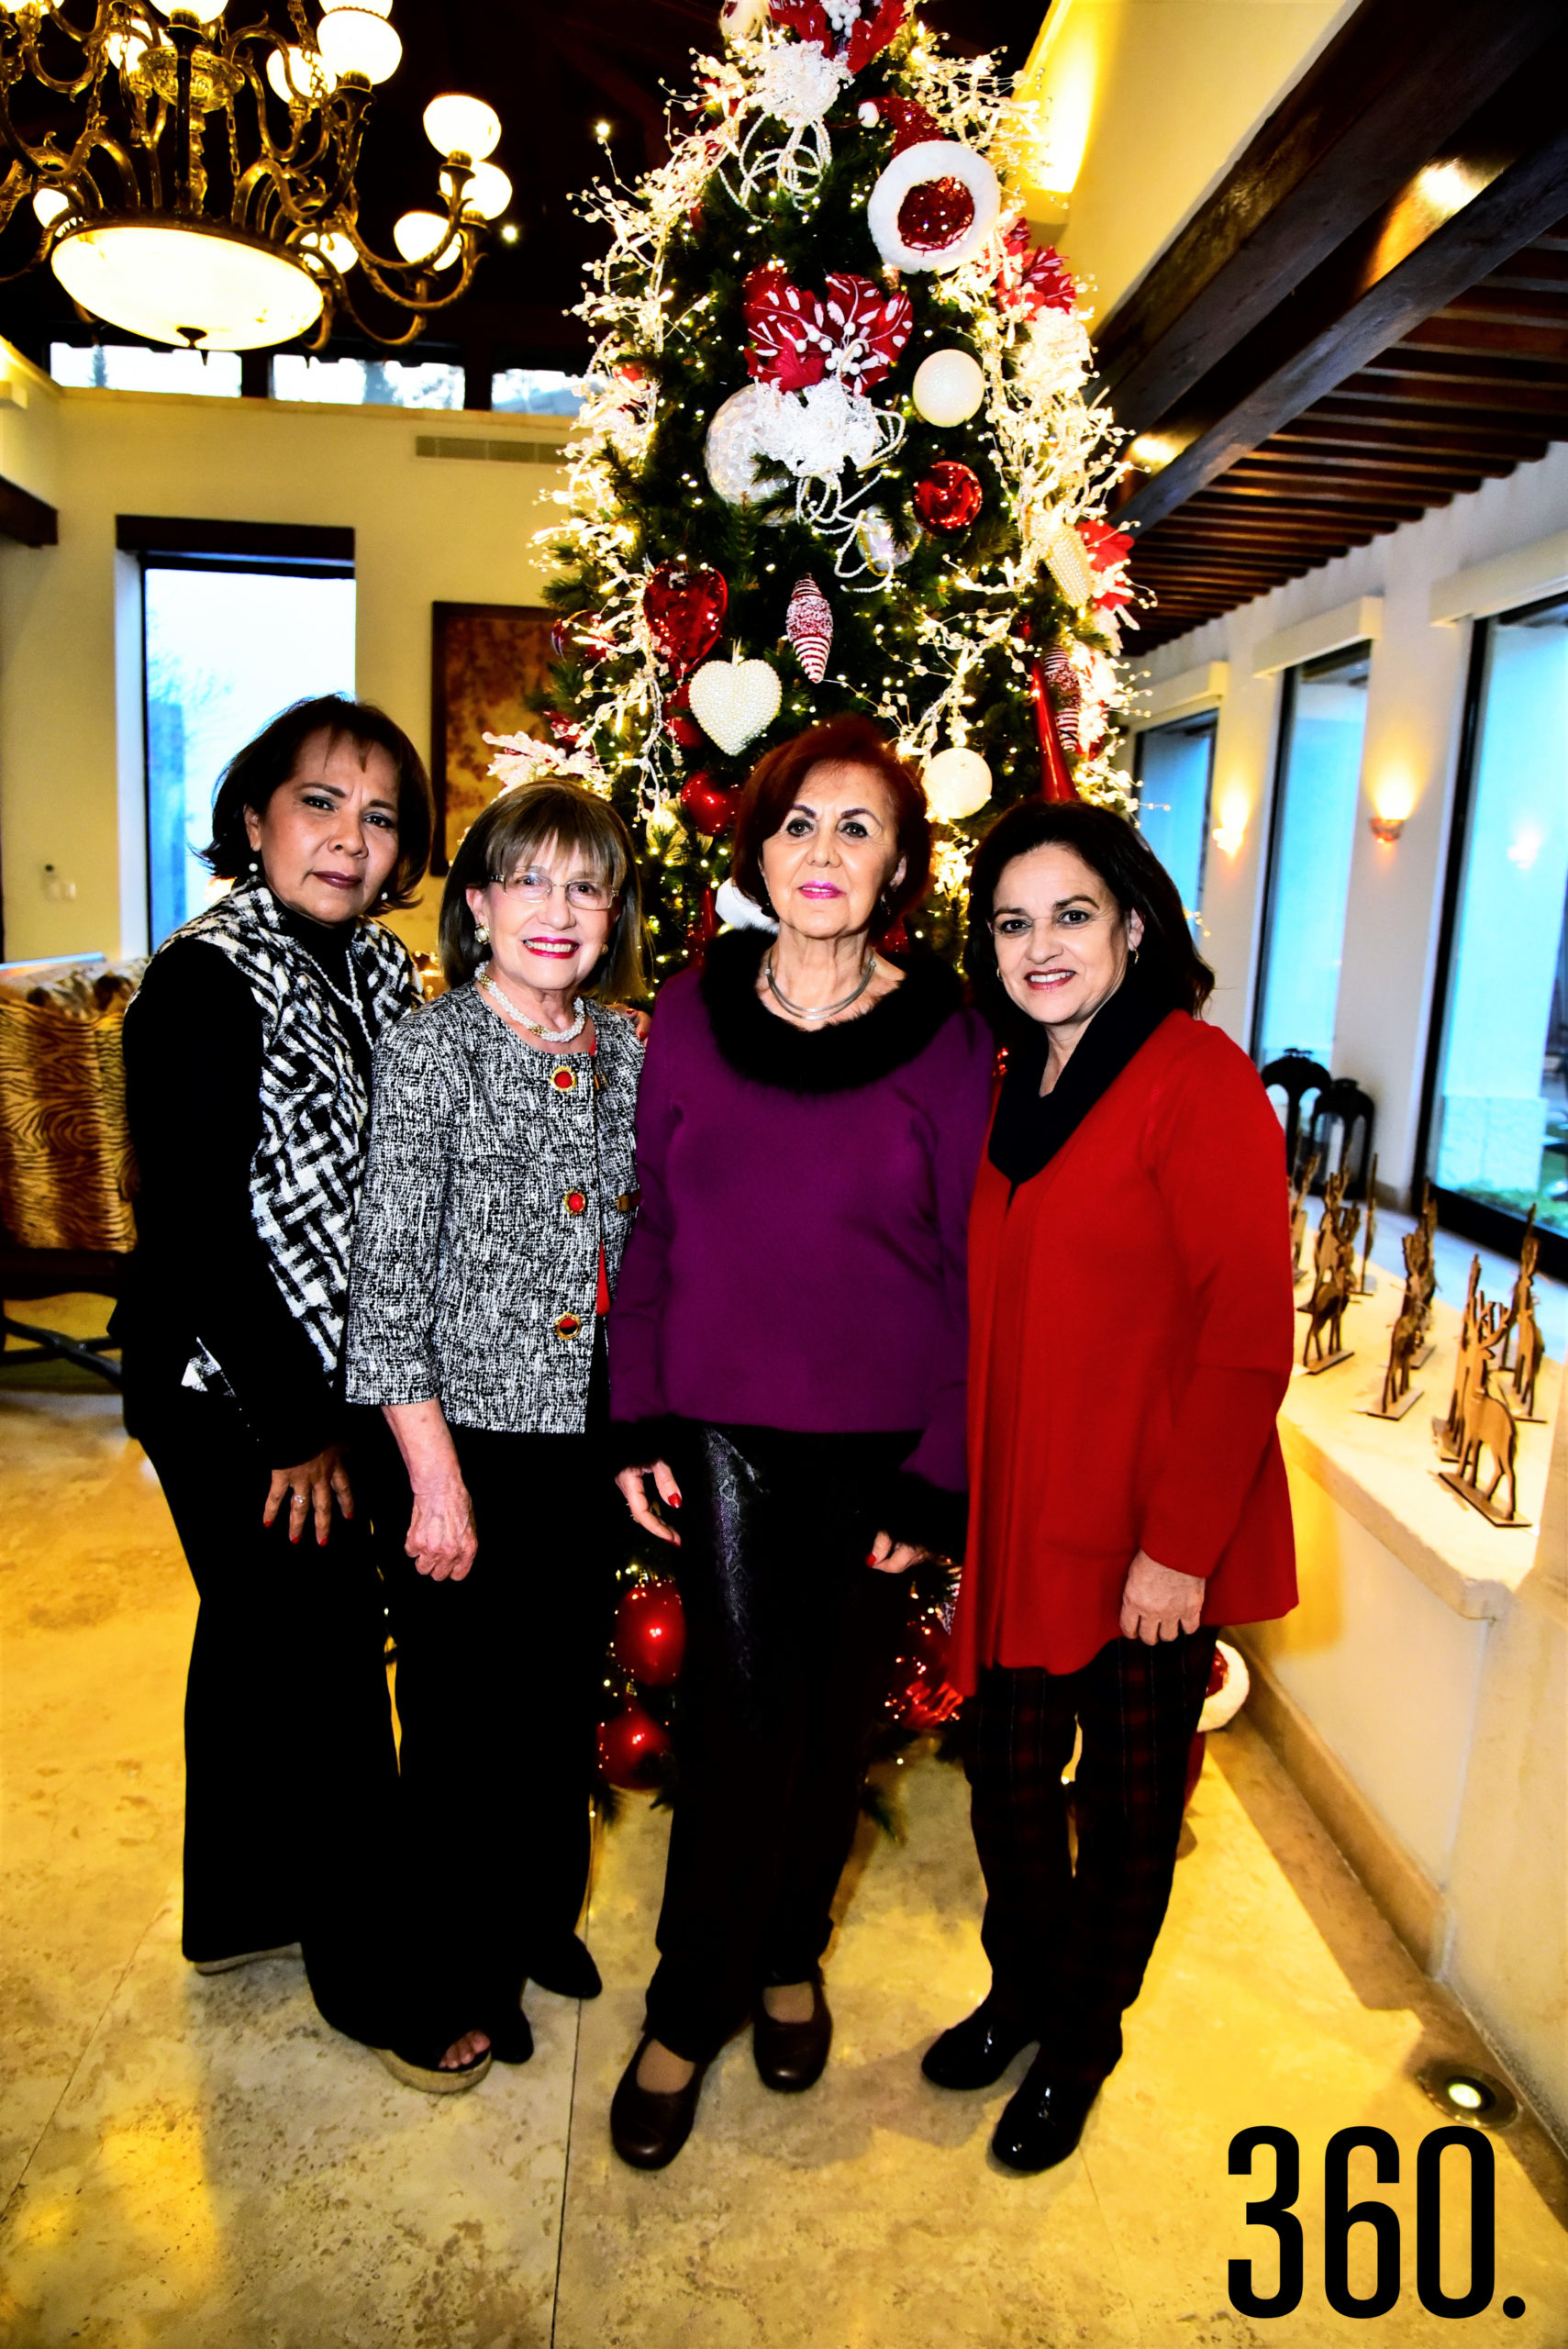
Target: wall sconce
1231 828
1386 829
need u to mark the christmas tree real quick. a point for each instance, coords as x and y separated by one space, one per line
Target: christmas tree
837 456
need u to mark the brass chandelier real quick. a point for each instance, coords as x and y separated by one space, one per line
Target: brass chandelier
202 192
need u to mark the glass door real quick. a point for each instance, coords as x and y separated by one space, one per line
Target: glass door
1317 790
1174 769
1498 1117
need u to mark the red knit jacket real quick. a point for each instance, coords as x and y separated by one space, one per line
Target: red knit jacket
1131 1341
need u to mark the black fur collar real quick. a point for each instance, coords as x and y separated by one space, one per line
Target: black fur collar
836 1059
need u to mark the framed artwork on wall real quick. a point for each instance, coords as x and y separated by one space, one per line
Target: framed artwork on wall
485 660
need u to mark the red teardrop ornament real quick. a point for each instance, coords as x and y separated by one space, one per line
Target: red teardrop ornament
948 498
685 611
631 1745
651 1633
709 805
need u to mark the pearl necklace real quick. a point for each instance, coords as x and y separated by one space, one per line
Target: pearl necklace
350 1001
546 1035
819 1011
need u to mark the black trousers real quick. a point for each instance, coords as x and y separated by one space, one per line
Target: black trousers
499 1690
1068 1946
790 1638
291 1772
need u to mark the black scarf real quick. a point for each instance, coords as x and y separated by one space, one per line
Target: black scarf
1031 1127
835 1058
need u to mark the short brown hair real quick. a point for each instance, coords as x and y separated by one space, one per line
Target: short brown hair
773 785
514 828
253 775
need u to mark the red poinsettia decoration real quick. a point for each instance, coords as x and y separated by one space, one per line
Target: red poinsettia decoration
1031 281
911 124
856 331
876 24
1107 550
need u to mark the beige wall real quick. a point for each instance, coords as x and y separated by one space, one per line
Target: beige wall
426 531
1145 106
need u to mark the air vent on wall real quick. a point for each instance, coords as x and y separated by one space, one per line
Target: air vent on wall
493 452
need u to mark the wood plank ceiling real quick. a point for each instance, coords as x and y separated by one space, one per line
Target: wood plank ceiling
1473 391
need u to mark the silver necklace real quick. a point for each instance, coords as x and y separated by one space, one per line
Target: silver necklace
350 1001
823 1010
546 1035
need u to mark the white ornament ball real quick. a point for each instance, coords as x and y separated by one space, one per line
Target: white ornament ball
933 159
733 701
948 387
958 784
880 543
1228 1699
731 452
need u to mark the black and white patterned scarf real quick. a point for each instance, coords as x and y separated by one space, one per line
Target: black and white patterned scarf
304 1177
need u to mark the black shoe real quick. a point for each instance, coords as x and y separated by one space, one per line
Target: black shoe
975 2053
511 2039
565 1967
648 2129
792 2055
1042 2120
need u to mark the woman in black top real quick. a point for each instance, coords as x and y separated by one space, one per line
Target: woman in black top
247 1058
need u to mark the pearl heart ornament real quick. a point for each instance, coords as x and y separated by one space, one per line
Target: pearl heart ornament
734 701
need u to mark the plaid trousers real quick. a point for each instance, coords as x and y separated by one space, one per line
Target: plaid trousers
1069 1946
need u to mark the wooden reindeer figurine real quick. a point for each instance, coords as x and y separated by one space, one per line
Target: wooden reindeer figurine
1330 1294
1449 1433
1489 1426
1363 1287
1397 1393
1529 1347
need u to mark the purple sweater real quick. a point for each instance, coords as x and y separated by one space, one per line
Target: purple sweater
799 1255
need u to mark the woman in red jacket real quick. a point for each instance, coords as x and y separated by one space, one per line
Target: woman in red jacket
1131 1345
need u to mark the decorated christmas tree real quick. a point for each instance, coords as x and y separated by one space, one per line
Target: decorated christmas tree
837 456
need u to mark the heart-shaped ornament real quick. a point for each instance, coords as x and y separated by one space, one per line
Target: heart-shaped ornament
685 609
734 701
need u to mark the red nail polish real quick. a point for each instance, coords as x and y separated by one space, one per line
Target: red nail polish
675 1500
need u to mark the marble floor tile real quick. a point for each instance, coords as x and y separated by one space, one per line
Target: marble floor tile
201 2165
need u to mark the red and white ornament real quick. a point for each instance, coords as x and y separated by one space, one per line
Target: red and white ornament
855 332
934 206
864 27
808 623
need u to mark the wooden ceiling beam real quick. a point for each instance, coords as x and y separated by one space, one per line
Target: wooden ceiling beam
1327 427
1541 407
1396 82
1406 468
1382 283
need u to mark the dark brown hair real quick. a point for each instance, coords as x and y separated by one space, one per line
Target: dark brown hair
1119 855
513 830
774 785
253 775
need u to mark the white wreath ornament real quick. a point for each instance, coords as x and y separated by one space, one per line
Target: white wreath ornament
933 159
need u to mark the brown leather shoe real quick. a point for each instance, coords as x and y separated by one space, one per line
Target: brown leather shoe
647 2129
792 2055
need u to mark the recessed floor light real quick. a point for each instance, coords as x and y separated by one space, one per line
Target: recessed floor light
1466 2093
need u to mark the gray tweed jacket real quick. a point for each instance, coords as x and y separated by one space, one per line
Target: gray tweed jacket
494 1173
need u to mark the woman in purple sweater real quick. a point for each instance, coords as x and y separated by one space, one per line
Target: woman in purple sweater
787 1358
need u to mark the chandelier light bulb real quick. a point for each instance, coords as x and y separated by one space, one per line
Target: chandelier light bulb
418 234
455 125
48 202
126 49
357 40
333 246
292 72
488 194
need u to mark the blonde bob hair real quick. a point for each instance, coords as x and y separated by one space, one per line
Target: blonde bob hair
514 829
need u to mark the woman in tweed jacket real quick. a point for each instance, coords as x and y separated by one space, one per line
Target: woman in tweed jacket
498 1200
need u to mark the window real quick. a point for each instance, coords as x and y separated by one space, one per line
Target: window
1174 768
1499 1110
536 390
368 382
127 367
1318 789
228 644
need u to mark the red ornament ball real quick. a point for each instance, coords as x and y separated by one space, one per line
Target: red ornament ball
936 213
651 1633
577 638
709 805
631 1746
948 498
685 610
